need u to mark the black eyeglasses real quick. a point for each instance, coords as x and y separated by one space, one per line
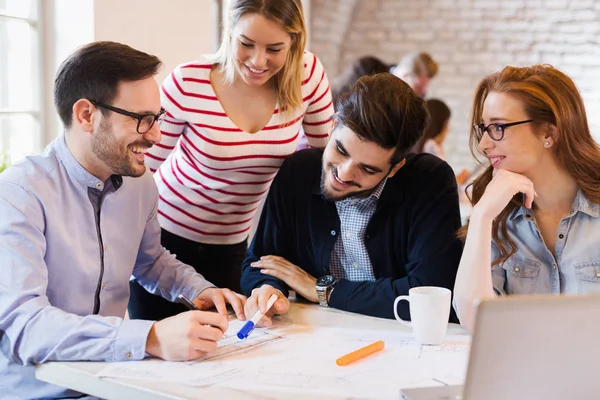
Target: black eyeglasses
495 131
145 121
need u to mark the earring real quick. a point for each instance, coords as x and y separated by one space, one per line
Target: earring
547 143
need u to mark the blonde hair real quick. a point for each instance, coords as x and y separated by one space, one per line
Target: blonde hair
290 15
420 64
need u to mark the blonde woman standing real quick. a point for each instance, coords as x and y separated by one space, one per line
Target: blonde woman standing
232 118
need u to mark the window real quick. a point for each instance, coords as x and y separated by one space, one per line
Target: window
20 78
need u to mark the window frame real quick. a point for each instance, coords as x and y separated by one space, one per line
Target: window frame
37 112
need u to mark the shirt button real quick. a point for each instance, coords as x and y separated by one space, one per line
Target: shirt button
561 236
104 286
348 234
129 355
554 265
353 202
517 269
528 216
332 233
355 266
99 185
105 247
598 275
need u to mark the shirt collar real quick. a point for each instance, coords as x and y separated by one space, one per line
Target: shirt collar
584 205
377 192
76 170
581 203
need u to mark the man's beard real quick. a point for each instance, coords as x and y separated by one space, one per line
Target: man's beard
107 149
332 196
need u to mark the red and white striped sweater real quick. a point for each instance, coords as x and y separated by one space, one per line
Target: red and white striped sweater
211 175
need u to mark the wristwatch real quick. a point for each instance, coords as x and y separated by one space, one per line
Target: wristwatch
324 286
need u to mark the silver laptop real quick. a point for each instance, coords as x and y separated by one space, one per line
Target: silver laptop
530 347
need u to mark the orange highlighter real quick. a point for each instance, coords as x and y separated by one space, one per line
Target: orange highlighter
360 353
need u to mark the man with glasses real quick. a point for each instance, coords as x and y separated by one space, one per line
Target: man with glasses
79 220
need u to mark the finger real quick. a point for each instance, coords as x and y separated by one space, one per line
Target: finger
281 305
203 304
273 272
202 318
194 355
268 265
236 303
263 298
271 257
265 322
529 196
242 297
252 303
202 345
219 301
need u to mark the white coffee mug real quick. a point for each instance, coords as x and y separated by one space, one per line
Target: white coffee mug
429 313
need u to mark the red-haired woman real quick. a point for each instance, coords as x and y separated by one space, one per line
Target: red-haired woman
538 202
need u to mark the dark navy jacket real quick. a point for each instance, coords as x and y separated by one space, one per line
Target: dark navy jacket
411 239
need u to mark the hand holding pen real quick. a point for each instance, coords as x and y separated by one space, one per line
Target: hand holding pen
186 336
258 302
250 325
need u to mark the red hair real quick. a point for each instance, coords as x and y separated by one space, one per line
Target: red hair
549 97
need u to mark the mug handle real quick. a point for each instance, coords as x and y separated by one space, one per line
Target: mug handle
403 322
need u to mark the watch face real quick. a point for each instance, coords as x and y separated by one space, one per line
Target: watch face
326 280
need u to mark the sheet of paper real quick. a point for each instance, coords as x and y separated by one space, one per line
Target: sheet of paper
230 344
205 371
305 364
165 371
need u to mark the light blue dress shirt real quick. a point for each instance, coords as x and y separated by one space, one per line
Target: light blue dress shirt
349 258
69 244
573 269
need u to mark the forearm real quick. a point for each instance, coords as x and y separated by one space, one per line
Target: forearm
474 276
372 298
40 334
252 278
168 277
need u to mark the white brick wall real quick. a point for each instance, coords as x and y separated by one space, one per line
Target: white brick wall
470 39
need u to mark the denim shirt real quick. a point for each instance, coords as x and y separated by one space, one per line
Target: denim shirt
69 244
534 269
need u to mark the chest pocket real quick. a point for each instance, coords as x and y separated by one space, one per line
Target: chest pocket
588 275
521 275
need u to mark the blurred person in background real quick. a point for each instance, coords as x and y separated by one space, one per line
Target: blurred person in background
417 69
435 134
367 65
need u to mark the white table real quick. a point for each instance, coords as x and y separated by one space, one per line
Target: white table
80 376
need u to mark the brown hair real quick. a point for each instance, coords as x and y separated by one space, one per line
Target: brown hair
367 65
550 97
383 109
439 114
290 15
95 70
420 64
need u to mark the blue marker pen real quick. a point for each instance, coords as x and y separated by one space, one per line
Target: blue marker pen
249 326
